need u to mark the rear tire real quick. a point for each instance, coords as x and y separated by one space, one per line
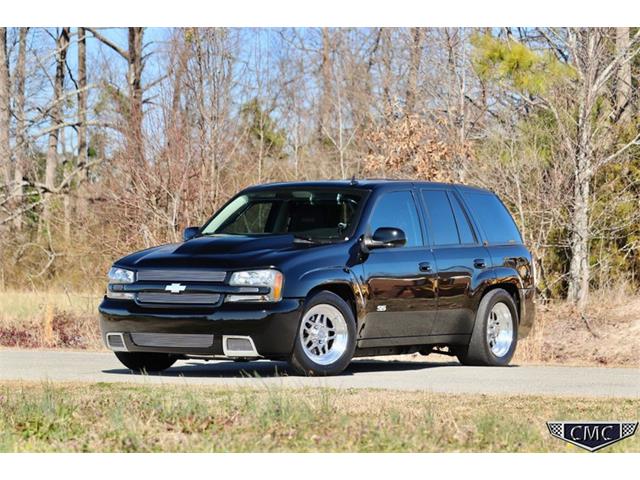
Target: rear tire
146 362
326 338
495 332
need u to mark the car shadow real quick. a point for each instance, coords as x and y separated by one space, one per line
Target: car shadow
266 369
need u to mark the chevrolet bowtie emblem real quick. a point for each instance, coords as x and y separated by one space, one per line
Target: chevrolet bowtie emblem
175 288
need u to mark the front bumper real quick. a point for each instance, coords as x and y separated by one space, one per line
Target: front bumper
272 327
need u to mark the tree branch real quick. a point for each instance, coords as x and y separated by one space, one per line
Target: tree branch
108 43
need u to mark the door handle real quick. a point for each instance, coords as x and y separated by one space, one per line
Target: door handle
425 266
479 263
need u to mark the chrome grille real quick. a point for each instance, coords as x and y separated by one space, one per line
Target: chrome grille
186 340
191 275
179 298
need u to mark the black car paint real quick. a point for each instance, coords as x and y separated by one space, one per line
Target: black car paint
430 293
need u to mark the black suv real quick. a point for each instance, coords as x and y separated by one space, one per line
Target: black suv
319 272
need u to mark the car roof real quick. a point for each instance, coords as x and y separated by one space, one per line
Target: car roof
365 184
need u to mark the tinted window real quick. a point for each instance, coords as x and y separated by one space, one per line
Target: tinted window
323 214
493 217
443 225
252 220
464 229
398 210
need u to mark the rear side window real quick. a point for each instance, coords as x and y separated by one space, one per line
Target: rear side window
493 217
443 224
398 210
464 229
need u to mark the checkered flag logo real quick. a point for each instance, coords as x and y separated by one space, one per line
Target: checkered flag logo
628 429
555 429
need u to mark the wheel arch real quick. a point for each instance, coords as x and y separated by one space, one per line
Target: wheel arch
342 289
511 287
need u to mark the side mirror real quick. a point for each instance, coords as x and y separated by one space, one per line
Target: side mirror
190 232
385 237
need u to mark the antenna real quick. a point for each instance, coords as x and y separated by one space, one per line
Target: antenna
353 180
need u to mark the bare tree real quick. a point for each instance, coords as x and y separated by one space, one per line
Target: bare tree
83 147
135 59
21 127
594 66
62 45
5 115
415 59
326 60
623 79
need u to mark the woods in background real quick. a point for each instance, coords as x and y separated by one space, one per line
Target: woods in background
115 139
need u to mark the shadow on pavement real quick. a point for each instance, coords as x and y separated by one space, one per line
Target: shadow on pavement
265 369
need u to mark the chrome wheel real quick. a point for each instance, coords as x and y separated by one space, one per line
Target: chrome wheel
324 334
500 329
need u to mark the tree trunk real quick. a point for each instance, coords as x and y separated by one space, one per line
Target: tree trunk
583 165
327 83
62 44
5 117
415 57
623 81
136 140
579 267
83 150
387 72
21 130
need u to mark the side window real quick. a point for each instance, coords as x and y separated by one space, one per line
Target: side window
398 210
493 217
443 224
464 228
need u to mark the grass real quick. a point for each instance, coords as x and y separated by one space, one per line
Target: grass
34 319
127 418
24 306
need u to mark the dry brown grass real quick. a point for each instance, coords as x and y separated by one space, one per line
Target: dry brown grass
50 319
607 334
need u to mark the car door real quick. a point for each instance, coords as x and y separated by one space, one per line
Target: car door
459 258
400 281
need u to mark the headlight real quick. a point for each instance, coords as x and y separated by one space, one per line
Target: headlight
271 279
121 275
117 278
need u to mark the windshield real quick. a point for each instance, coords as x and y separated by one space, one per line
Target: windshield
315 214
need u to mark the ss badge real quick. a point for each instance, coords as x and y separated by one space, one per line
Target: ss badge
592 436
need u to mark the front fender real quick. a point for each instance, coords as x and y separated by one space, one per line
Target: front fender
335 275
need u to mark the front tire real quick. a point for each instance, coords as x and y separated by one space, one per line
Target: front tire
495 332
326 338
146 362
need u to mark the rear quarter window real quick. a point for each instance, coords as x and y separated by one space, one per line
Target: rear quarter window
493 217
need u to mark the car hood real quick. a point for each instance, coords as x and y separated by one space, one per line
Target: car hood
224 251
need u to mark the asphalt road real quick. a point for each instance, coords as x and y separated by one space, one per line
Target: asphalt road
433 376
